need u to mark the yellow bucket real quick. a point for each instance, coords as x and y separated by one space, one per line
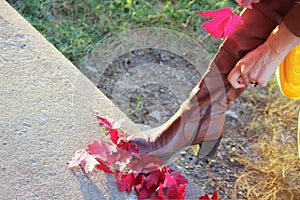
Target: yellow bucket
288 74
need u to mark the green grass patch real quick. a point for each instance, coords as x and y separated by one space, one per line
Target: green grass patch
74 27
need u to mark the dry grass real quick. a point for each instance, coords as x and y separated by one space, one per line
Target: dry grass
273 166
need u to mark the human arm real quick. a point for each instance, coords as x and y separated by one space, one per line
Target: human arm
260 64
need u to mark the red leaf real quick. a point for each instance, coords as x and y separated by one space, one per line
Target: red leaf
160 193
126 145
155 178
114 133
173 187
85 159
105 151
179 178
146 164
104 121
205 197
181 191
104 167
122 159
144 192
95 148
213 197
126 182
223 23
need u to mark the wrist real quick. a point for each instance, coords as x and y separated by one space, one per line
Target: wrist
281 41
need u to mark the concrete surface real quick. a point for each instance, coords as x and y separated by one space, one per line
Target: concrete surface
48 111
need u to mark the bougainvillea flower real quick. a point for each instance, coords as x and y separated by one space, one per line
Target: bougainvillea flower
223 22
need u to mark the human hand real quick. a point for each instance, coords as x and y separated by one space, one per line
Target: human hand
260 64
256 67
247 3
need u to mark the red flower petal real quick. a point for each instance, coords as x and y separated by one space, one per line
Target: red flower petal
223 22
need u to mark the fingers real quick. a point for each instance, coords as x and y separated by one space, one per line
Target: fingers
235 78
255 67
244 73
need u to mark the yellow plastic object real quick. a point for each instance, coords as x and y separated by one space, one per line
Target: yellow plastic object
299 134
288 74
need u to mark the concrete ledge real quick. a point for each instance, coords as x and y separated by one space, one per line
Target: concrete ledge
48 111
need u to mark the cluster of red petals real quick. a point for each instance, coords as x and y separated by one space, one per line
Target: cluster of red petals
145 174
162 183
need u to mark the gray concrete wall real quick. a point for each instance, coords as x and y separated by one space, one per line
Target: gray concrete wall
47 112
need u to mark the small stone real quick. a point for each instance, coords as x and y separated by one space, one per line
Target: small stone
156 115
43 116
232 114
165 57
26 125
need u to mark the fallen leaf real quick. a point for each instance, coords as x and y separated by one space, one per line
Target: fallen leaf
85 159
104 166
204 197
155 178
95 148
145 164
114 133
213 197
223 22
126 181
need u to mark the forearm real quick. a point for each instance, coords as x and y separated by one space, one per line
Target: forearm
281 41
